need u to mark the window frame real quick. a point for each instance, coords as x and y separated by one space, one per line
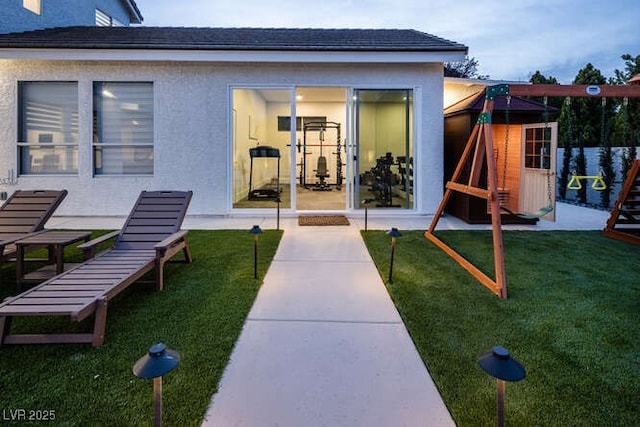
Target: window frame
67 125
133 150
537 148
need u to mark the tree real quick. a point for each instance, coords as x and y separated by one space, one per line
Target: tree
566 140
594 118
464 69
558 111
632 65
627 122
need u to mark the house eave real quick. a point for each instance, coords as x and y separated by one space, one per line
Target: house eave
58 54
134 11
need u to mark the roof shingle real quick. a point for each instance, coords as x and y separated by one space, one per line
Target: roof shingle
267 39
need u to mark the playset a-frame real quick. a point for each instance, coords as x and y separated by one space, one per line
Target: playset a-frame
480 153
624 222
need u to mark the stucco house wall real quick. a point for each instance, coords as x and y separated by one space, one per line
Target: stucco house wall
192 149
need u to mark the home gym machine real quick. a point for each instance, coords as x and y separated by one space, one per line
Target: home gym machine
321 170
263 151
381 179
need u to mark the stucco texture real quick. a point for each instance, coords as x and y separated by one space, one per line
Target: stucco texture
191 125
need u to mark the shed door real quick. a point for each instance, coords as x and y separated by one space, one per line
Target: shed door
538 186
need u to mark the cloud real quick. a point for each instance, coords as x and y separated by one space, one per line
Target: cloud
510 39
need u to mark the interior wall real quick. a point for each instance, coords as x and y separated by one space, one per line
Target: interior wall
249 119
380 125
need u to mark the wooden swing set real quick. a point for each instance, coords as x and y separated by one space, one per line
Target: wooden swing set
480 151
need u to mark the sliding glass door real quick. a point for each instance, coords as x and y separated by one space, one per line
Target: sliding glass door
383 145
322 148
261 137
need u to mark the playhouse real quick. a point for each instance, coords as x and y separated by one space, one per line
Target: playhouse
525 147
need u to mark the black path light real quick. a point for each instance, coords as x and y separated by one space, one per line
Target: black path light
278 200
256 231
153 365
366 202
499 364
394 233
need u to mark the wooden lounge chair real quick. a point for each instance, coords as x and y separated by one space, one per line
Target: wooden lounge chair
150 237
26 212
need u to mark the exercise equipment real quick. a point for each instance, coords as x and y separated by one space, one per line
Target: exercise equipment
321 171
480 150
381 180
264 151
321 168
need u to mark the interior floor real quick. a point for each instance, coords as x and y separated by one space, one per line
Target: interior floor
332 200
308 199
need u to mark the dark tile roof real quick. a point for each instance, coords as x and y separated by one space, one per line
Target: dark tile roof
475 103
304 39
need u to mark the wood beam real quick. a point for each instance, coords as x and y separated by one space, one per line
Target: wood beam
596 91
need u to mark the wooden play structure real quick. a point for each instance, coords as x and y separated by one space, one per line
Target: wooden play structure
480 154
525 160
624 222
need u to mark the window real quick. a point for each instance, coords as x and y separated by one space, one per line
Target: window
284 122
48 128
34 6
537 148
104 20
123 128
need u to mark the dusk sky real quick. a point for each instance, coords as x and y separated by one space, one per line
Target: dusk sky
510 39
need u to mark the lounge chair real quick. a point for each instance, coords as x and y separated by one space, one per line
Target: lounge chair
150 237
26 212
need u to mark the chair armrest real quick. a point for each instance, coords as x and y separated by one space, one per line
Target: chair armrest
89 248
170 240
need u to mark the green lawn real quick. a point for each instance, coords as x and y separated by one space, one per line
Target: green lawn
199 314
572 319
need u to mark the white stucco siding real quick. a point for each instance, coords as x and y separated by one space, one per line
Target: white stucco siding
431 147
191 116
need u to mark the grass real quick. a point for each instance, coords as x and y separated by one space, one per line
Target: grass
572 319
200 314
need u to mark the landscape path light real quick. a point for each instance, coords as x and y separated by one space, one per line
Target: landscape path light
394 233
366 202
498 363
153 365
278 200
256 231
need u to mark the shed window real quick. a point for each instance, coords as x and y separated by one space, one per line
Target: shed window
48 127
537 148
123 128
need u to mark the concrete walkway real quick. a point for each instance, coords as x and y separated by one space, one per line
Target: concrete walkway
324 345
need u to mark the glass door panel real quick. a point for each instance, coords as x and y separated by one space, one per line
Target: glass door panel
261 135
384 134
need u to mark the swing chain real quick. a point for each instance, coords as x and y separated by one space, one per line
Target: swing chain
625 128
506 141
547 144
603 122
